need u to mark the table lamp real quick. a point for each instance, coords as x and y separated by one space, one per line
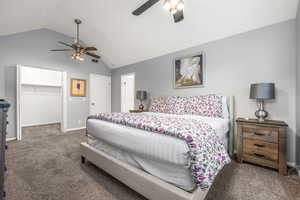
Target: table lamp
141 95
262 92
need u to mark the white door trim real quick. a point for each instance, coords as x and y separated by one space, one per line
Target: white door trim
108 93
18 103
90 92
64 124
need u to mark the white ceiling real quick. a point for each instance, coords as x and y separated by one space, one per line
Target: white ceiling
125 39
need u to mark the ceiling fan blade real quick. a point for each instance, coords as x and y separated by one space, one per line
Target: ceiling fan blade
93 55
144 7
69 45
90 49
61 50
178 16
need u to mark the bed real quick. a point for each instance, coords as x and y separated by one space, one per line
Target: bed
155 165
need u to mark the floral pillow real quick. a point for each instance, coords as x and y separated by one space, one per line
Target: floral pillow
207 106
175 105
158 104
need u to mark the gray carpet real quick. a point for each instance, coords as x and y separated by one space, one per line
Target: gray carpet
45 165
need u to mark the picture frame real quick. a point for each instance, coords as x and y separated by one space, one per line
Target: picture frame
189 71
78 87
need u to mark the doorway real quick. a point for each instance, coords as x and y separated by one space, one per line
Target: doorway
127 92
40 98
100 94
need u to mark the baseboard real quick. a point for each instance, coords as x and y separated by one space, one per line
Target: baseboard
11 139
75 129
291 164
40 124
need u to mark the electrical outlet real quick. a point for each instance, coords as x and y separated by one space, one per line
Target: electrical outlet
79 121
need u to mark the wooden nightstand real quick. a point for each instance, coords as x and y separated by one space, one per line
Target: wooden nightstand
262 143
136 111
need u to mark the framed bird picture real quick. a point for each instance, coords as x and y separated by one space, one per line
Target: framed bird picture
78 87
188 71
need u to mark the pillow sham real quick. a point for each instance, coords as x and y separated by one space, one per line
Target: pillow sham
158 104
175 105
206 106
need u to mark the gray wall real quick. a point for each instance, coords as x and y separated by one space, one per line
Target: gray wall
2 82
10 88
78 107
298 84
232 64
32 49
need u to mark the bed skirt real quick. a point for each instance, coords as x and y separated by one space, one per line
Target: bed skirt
147 185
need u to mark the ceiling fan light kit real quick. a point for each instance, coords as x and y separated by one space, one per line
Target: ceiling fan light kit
77 57
175 7
77 48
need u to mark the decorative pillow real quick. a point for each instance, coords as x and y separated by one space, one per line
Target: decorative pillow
175 105
158 104
207 106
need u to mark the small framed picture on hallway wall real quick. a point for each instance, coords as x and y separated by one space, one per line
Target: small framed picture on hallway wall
78 87
188 71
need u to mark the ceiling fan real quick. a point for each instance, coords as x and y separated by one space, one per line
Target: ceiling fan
174 6
77 48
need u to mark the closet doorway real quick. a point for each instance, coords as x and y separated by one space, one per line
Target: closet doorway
40 98
127 92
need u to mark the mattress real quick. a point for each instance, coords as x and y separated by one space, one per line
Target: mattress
151 145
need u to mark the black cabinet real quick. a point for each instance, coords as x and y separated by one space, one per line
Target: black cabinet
3 123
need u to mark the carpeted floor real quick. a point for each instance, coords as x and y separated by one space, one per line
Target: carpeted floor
45 165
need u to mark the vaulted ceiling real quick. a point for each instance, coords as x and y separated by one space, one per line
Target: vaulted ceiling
125 39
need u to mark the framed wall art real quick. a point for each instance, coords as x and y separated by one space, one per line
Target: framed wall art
78 87
189 71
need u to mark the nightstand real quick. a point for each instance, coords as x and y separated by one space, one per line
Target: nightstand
136 111
262 143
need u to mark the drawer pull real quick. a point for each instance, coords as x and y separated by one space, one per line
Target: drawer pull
259 145
259 155
259 134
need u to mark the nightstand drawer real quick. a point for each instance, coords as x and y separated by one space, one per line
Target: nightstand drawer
261 149
267 134
259 161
